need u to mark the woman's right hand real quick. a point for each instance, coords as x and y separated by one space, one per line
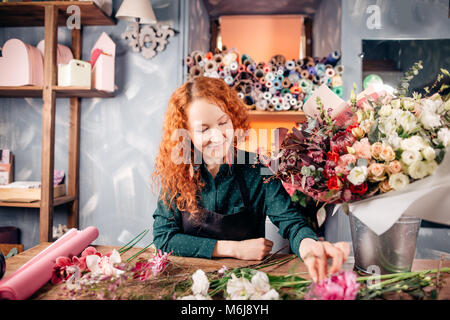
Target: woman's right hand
252 249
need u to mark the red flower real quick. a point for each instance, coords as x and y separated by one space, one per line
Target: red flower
361 189
351 127
334 183
332 156
341 141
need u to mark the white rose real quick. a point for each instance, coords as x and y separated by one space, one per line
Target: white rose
411 156
385 110
358 175
398 181
433 105
418 170
260 282
431 166
444 136
428 153
413 143
393 140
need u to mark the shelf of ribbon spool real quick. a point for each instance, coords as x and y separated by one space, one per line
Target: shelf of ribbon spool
36 92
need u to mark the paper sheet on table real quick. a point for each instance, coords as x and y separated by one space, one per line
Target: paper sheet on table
27 280
428 199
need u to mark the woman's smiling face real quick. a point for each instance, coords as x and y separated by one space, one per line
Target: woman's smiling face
211 130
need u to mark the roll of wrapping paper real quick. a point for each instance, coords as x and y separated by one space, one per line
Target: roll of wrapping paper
267 68
293 102
277 84
269 84
339 91
286 83
218 58
295 90
234 67
304 74
251 68
278 107
290 65
196 71
209 56
257 86
31 277
229 80
189 61
274 69
286 106
288 96
299 62
329 72
269 76
262 81
210 66
270 107
333 58
259 73
267 95
336 81
285 91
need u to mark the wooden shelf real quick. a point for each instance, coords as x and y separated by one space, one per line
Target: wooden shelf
294 116
36 204
29 14
61 92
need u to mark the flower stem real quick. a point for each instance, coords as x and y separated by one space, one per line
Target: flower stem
132 242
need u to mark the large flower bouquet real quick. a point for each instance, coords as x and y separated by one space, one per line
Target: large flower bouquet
376 143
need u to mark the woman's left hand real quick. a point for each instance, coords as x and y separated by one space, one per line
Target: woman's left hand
315 255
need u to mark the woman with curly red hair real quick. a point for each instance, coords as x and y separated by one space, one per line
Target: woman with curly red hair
213 200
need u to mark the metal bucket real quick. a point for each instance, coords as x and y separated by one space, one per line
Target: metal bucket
390 252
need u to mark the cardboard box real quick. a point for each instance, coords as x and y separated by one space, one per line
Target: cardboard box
6 167
76 73
29 194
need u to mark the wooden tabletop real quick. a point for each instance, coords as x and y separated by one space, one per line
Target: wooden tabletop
50 292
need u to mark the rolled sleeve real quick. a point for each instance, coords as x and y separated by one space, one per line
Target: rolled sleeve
291 223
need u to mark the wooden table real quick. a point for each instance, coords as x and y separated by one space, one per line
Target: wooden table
50 292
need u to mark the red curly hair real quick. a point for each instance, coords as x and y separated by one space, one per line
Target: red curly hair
176 184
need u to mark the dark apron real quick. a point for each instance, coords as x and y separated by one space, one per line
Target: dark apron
241 225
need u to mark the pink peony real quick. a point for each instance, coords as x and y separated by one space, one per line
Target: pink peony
362 149
341 286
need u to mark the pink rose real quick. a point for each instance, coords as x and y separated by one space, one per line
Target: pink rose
362 149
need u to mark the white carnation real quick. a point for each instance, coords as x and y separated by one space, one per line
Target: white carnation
418 170
200 283
358 175
411 156
430 119
408 103
398 181
407 120
415 143
431 166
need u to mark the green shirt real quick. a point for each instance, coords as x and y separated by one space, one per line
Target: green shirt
221 194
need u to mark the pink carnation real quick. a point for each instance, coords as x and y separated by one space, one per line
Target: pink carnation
342 286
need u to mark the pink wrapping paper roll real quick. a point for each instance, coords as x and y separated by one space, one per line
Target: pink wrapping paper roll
28 279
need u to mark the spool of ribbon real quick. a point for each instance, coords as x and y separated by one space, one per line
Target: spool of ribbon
333 58
189 61
329 72
290 65
286 83
339 91
304 74
229 80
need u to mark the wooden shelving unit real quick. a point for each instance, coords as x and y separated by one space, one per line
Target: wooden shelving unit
259 115
52 14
